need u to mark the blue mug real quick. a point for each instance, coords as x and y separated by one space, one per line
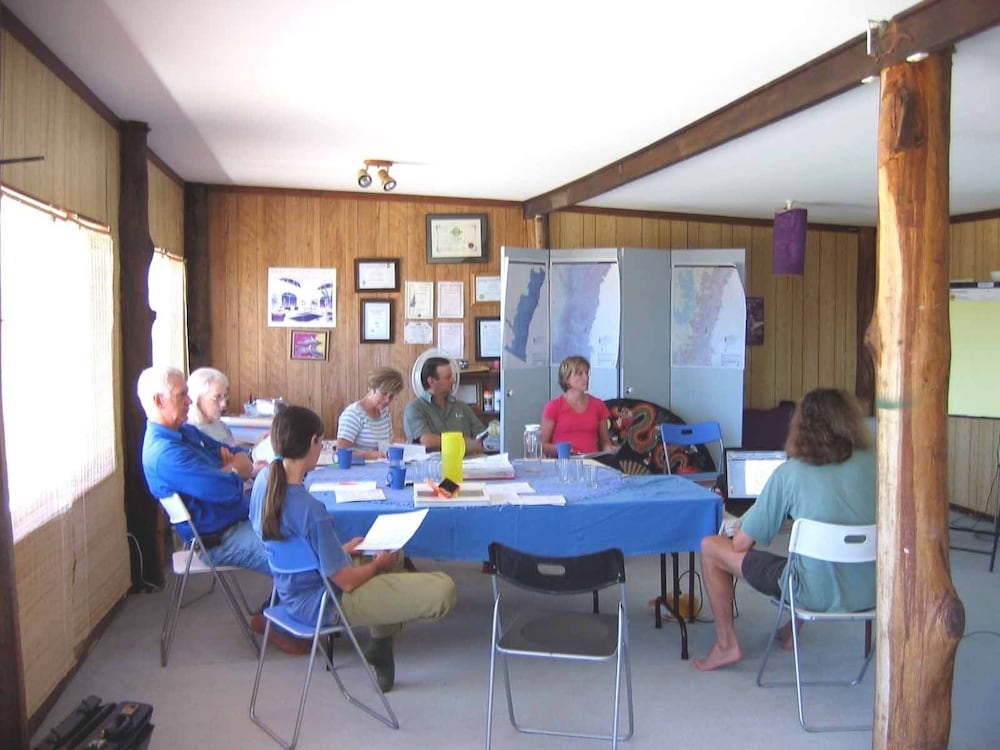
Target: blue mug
396 478
345 456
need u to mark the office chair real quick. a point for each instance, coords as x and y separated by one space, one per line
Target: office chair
837 544
994 533
294 555
188 562
563 634
685 436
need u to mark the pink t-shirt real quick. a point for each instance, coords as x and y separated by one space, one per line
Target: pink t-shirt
579 428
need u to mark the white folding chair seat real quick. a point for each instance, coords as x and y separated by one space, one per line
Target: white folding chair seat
188 562
296 556
562 635
835 543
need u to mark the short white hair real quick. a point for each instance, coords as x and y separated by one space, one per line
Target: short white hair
199 383
155 381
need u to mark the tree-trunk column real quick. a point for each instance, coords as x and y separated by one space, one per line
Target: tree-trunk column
920 617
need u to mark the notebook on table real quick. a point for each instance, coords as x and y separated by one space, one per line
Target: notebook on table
747 471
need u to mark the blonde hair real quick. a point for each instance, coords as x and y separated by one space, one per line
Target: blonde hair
570 365
385 380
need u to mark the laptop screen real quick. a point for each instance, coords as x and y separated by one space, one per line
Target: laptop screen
747 471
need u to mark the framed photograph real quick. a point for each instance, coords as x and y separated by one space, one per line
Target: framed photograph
457 238
488 338
376 275
376 321
310 345
469 393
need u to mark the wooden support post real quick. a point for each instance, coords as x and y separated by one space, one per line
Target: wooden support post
199 286
542 231
136 252
920 618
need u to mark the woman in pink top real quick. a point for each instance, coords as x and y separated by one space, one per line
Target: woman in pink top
575 416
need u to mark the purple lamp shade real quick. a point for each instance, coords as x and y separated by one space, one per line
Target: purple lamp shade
790 242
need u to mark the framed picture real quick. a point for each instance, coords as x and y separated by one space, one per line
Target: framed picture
376 275
469 393
457 238
310 345
488 338
376 321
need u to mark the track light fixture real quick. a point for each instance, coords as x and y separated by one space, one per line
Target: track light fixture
387 182
365 179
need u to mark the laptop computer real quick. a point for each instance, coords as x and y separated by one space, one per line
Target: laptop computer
747 471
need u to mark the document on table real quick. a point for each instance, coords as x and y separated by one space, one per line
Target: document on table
350 492
391 531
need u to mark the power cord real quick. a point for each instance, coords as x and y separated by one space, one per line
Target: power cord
142 575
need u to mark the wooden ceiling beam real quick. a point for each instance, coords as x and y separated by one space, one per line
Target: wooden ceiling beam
927 26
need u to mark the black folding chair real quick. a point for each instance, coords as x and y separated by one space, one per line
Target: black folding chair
562 634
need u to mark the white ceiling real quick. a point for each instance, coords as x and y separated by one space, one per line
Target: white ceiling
505 100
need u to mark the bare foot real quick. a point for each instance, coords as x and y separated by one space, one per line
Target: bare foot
719 657
784 635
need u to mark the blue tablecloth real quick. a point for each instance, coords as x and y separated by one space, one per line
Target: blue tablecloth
641 515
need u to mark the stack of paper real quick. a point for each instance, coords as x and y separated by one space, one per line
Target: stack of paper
488 467
482 493
349 492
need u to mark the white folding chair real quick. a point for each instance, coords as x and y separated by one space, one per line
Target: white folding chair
188 562
294 555
563 634
833 543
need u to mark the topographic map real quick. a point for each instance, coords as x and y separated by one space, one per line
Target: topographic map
526 321
708 318
586 312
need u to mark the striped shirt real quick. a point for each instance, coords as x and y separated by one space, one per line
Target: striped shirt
364 431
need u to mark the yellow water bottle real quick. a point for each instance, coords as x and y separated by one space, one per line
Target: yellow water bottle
452 453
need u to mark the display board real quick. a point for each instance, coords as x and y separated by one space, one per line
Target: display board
973 389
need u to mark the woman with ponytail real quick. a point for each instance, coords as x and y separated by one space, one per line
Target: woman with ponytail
373 590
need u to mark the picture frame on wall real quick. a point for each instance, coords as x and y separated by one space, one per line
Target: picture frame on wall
311 346
488 338
376 275
457 238
376 321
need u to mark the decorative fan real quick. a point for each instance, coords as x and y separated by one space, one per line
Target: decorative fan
418 387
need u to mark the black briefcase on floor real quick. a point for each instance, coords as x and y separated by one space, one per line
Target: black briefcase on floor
97 726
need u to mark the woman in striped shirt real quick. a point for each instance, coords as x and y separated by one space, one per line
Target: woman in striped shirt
366 424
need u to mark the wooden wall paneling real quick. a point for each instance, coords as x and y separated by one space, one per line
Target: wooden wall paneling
15 62
678 235
629 232
812 333
795 292
246 326
294 228
605 231
826 369
650 233
784 315
589 237
762 282
846 335
274 249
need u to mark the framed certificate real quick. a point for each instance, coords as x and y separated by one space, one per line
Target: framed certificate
376 275
457 238
488 338
376 321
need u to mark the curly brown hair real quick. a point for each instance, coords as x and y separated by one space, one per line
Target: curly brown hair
827 427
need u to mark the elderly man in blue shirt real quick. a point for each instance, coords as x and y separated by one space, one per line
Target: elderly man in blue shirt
208 475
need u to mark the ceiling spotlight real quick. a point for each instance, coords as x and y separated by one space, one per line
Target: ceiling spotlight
364 179
387 182
917 57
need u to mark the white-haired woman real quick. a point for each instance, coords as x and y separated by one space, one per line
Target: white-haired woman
208 389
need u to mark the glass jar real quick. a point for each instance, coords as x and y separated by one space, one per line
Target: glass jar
533 442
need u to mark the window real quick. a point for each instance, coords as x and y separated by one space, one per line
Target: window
56 359
169 303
